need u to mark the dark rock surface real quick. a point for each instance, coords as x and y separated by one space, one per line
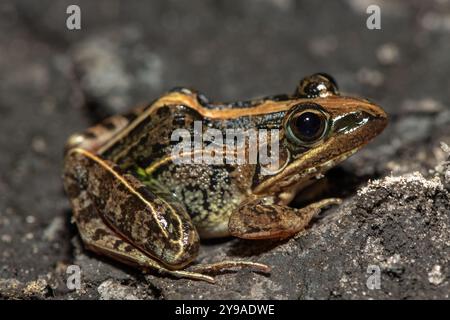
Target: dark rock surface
396 213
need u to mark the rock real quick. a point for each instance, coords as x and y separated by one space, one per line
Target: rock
444 168
113 290
400 225
14 289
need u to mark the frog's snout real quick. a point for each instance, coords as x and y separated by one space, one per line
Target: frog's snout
379 123
377 119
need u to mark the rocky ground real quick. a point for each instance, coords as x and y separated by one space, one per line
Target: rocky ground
396 212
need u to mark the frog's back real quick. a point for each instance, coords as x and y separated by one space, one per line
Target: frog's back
144 148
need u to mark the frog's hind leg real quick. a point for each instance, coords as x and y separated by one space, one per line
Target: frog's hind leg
82 176
98 237
119 217
101 199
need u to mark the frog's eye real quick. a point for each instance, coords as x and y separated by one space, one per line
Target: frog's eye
317 85
306 127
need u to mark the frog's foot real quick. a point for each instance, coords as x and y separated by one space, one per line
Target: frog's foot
230 265
316 207
188 275
258 220
197 272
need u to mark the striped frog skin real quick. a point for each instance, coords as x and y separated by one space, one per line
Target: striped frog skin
133 203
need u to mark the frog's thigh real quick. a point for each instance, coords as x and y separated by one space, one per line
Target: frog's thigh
258 220
99 238
130 210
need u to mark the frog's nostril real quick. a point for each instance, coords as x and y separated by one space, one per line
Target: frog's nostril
382 122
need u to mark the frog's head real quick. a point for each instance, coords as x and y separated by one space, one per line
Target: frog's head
319 129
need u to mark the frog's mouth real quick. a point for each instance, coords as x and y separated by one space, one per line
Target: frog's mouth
287 180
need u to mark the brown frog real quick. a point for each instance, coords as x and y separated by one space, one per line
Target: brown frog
131 201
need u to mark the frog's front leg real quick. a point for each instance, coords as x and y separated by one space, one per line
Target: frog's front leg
261 219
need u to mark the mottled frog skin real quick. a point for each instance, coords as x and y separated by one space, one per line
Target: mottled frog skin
134 204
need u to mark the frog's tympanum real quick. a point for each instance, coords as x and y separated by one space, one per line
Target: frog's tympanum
133 203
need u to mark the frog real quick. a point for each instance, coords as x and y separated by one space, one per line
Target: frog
133 203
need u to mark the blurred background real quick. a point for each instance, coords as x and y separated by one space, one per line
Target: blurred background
55 81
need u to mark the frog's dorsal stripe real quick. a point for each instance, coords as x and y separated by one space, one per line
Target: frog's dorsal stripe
177 98
267 106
